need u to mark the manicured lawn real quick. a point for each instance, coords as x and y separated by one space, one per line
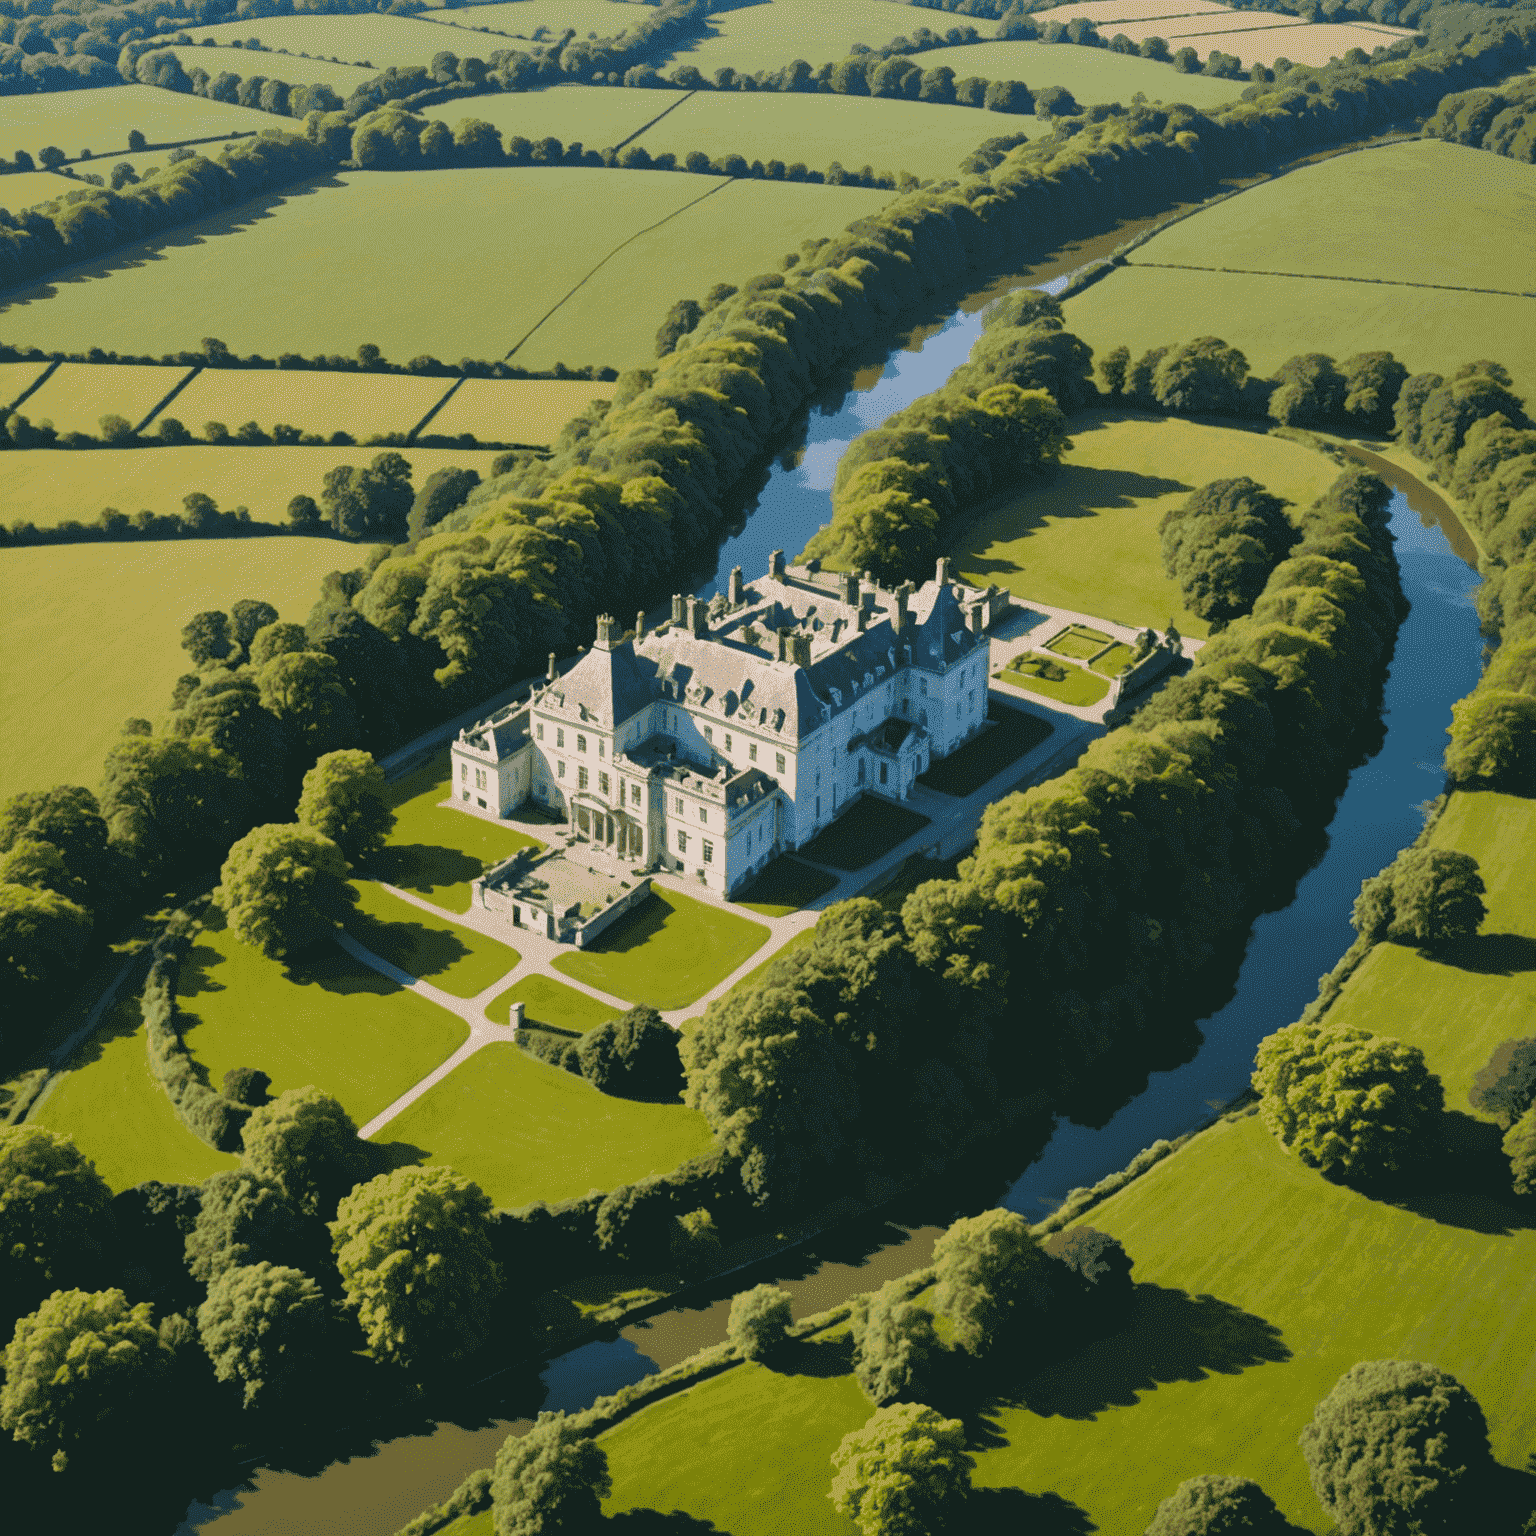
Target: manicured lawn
458 960
100 628
100 119
668 952
47 485
864 833
333 1022
1114 661
1088 540
435 851
78 395
358 403
527 1131
515 410
119 1116
1079 687
1254 39
546 1001
1012 733
785 886
305 261
1078 642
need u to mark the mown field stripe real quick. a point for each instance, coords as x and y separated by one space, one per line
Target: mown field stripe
192 373
35 385
560 303
644 126
1331 277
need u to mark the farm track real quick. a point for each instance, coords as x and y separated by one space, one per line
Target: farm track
1330 277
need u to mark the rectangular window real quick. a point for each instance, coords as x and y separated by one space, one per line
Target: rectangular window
581 778
709 734
703 814
752 752
682 841
634 794
538 732
463 772
778 762
602 783
560 769
709 852
466 797
727 741
601 746
559 736
581 743
677 801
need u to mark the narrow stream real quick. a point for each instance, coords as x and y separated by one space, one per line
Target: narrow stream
1436 662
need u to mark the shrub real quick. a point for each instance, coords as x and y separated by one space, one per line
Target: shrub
894 1345
635 1055
759 1321
1520 1149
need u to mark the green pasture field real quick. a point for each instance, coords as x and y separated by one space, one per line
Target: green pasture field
921 137
343 78
329 1020
46 486
785 886
768 36
744 229
100 119
1347 217
119 1116
522 18
78 395
594 116
305 262
99 627
461 961
313 401
1479 991
516 410
668 952
546 1001
16 379
26 189
364 39
864 833
1088 539
1275 318
1254 38
525 1131
1079 688
435 852
1013 733
1091 74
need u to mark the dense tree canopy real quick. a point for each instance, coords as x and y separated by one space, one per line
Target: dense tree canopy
345 799
1222 544
902 1473
1520 1149
1493 741
1426 896
284 889
549 1481
1218 1506
305 1142
894 1345
758 1320
53 1205
1398 1447
1506 1087
635 1055
171 801
243 1219
993 1279
268 1329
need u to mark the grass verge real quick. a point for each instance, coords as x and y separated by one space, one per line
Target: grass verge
459 960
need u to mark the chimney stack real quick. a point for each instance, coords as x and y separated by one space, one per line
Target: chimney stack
942 573
677 607
553 674
607 629
847 588
734 593
863 618
899 614
698 613
639 626
776 564
800 644
974 619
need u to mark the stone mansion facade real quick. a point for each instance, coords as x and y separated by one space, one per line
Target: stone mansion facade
743 726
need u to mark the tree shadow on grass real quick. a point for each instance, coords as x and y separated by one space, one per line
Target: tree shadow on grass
197 971
1008 1511
423 867
635 929
651 1522
418 948
825 1358
1487 954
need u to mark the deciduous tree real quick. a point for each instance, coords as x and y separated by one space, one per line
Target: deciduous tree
284 889
307 1143
345 799
759 1320
992 1279
266 1328
1506 1087
1218 1506
895 1345
903 1473
550 1481
53 1206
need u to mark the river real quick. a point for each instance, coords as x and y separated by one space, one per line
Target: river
1435 663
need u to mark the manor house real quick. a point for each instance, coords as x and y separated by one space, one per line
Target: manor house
743 726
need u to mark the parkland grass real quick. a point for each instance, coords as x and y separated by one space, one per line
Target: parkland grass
523 18
921 137
110 1106
869 830
668 952
787 885
361 404
380 41
343 78
1011 734
101 624
1078 642
48 486
525 1131
101 118
550 1002
329 1020
435 851
594 116
1087 540
516 410
77 395
305 262
461 961
1078 688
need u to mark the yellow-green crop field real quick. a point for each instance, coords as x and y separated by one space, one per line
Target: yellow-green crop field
312 401
594 116
1087 539
515 410
16 379
522 18
77 395
381 41
921 137
343 78
307 268
26 189
100 627
100 119
46 486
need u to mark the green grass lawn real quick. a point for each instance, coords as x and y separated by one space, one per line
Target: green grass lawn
100 627
1087 540
26 189
119 1116
1079 687
459 960
785 886
922 137
515 410
380 40
1078 642
358 403
305 261
668 952
527 1131
522 18
546 1001
1011 735
333 1022
1114 661
48 485
100 119
77 395
342 78
864 833
434 851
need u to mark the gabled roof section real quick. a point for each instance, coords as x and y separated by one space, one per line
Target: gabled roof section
612 684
